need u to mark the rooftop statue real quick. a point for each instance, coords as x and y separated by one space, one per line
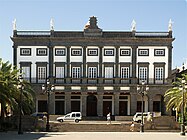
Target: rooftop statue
133 25
51 24
14 24
170 25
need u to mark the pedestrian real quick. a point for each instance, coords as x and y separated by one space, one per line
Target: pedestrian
132 127
108 118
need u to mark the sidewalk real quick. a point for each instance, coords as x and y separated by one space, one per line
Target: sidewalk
92 136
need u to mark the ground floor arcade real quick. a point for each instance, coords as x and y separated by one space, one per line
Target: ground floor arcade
99 104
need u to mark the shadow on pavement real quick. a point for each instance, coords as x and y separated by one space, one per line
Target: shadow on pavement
25 135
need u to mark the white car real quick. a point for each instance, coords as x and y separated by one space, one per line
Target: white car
73 116
138 116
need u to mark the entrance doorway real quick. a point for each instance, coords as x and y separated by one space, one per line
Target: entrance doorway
91 105
107 107
123 108
59 107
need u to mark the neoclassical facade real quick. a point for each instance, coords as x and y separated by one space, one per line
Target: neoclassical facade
96 71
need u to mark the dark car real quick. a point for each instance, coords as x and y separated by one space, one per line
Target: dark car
40 115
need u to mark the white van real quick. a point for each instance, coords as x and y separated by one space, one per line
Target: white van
138 116
73 116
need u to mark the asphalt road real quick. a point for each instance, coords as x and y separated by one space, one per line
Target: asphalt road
92 136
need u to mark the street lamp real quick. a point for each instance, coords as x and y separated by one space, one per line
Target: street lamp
183 86
20 86
142 91
48 89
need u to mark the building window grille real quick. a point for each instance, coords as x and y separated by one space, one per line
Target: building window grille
143 52
159 52
41 74
125 52
143 73
26 73
76 72
124 72
41 51
159 73
59 72
60 52
109 52
76 52
92 72
108 72
92 52
25 51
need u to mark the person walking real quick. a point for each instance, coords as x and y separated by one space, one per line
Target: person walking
108 118
132 127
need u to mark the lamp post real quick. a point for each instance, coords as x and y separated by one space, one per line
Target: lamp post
48 89
142 91
183 86
20 86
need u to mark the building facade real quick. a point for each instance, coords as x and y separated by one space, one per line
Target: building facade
96 71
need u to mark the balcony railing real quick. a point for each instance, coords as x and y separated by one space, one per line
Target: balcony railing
105 81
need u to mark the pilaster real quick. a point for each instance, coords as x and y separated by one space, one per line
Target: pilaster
84 103
116 103
68 102
100 104
134 62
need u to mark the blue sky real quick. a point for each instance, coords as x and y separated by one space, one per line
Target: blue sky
150 15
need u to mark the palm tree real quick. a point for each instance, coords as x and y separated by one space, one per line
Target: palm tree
9 93
173 96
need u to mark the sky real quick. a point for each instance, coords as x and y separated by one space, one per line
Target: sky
113 15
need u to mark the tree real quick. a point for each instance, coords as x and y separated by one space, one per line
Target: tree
9 93
173 96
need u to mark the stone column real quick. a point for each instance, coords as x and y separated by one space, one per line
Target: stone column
51 61
134 61
68 102
133 100
150 102
100 104
116 103
52 103
169 60
84 65
100 64
15 55
84 103
68 64
117 65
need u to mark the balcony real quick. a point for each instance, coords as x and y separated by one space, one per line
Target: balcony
99 81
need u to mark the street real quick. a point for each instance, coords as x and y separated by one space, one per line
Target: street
92 136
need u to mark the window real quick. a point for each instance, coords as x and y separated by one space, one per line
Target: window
92 72
76 72
159 73
26 72
59 72
60 52
143 52
125 52
25 51
143 73
92 52
108 72
41 51
76 52
159 52
41 74
109 52
124 72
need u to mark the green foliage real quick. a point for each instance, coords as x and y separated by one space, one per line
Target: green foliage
10 94
173 96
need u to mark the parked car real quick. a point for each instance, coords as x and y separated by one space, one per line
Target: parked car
73 116
138 116
40 115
